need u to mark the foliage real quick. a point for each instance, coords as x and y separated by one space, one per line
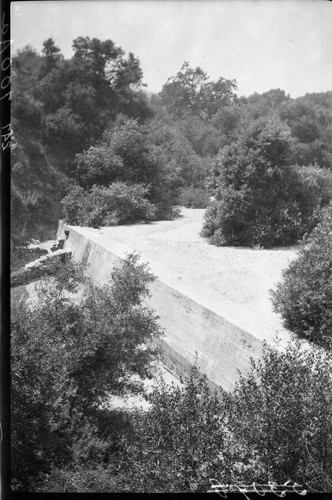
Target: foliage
191 92
87 478
282 412
304 297
36 190
120 203
194 198
51 57
182 165
124 154
310 121
179 443
95 124
130 152
205 138
265 105
275 426
314 192
67 354
254 190
81 96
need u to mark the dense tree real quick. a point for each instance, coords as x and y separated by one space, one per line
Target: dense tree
67 355
26 65
68 110
266 104
310 121
304 297
205 138
123 154
254 190
51 56
60 107
130 152
313 193
191 197
183 165
83 95
191 92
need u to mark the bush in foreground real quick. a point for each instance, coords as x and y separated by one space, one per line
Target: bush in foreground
275 426
281 413
304 297
67 355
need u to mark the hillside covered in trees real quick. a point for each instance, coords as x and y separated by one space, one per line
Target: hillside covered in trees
92 145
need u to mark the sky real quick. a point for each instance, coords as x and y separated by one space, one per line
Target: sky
262 44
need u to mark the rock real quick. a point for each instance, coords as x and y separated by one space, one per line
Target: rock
57 245
21 255
39 267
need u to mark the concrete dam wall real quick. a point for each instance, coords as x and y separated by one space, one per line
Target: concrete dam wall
193 330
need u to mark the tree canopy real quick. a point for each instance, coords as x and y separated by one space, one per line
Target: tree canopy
68 352
191 92
87 120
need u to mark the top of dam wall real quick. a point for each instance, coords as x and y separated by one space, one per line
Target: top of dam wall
201 323
232 282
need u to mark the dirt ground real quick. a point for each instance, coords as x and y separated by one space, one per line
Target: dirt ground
236 279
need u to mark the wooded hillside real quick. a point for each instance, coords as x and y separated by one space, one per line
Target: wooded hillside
88 121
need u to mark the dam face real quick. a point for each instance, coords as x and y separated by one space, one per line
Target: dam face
196 330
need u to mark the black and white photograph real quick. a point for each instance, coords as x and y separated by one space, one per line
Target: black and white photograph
170 246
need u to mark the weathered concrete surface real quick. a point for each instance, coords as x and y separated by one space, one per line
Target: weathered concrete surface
37 268
196 328
22 255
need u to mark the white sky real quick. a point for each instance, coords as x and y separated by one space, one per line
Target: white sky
263 44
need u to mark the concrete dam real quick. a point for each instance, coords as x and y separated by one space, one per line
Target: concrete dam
201 326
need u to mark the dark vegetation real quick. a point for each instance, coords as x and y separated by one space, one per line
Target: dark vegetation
69 352
260 198
90 145
118 204
304 298
66 357
86 123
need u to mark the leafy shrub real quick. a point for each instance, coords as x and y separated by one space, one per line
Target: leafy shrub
27 110
261 198
194 197
275 426
120 203
281 414
123 154
310 153
67 354
304 297
179 443
255 201
314 192
93 478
